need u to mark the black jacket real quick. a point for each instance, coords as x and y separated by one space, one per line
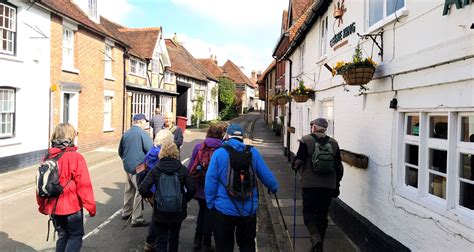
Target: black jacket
169 165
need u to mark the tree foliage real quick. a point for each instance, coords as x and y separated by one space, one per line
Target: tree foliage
198 112
226 91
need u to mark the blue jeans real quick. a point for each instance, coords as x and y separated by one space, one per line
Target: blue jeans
70 230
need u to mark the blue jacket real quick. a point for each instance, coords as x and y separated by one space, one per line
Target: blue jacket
151 160
216 195
134 145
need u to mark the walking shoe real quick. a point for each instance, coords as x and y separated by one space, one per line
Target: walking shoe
316 243
149 247
207 244
142 223
125 217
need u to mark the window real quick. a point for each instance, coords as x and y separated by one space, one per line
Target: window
437 158
68 48
155 63
166 103
302 49
324 37
137 67
108 61
7 29
381 9
107 113
328 113
93 9
168 77
143 104
7 112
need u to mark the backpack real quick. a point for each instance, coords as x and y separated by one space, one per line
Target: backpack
47 177
201 163
240 175
168 195
323 156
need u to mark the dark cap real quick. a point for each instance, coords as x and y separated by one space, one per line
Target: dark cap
139 117
321 122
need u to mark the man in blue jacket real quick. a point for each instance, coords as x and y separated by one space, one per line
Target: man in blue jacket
134 145
234 211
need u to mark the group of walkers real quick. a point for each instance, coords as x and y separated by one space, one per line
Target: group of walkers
221 176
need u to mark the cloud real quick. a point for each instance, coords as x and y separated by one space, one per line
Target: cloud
242 14
120 10
242 55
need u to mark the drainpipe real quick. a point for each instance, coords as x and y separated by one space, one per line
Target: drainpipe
288 135
125 57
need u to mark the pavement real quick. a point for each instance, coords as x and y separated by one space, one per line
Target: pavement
271 149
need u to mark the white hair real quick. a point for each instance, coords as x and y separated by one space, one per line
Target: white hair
162 136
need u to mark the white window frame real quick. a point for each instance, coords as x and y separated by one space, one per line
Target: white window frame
108 108
143 103
108 61
10 30
92 6
68 48
448 207
155 63
7 115
137 67
327 112
166 104
168 77
302 52
403 11
323 40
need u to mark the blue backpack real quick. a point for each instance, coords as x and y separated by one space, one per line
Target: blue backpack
168 195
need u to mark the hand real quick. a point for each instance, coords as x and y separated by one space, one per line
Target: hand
297 164
150 199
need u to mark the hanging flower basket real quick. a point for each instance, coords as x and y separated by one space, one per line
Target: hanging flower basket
301 98
282 101
359 75
274 102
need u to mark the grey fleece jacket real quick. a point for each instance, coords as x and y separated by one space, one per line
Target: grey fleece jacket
309 179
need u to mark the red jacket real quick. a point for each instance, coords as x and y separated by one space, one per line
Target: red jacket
78 192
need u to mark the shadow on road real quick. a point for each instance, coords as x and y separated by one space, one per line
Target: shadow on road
9 244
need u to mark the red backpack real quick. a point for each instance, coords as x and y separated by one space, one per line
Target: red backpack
201 163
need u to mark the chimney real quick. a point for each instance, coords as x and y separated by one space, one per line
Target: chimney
215 59
259 74
175 38
254 77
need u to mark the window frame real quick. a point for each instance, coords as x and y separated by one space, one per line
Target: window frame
140 67
13 30
68 60
108 61
13 114
168 77
450 206
92 7
323 38
108 113
385 18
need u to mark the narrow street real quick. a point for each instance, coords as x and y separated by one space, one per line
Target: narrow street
23 228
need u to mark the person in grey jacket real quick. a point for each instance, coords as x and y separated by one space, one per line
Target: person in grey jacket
134 146
318 189
157 122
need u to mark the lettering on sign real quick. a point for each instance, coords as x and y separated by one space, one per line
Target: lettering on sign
343 34
343 43
459 5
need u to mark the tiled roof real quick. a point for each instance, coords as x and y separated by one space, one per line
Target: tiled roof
142 40
298 8
233 71
211 67
265 73
182 62
297 25
72 11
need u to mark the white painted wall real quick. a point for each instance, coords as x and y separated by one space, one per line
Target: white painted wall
365 124
211 103
29 73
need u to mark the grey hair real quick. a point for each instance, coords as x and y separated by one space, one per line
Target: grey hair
319 129
162 136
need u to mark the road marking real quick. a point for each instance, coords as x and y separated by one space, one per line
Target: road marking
98 228
185 161
33 187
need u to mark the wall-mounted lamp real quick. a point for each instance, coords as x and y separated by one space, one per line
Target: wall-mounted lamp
394 103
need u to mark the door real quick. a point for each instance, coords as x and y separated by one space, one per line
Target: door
70 108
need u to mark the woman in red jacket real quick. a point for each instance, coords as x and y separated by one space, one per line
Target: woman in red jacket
78 193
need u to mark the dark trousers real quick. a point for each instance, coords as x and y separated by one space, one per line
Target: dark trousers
225 226
316 202
70 230
203 224
151 236
167 238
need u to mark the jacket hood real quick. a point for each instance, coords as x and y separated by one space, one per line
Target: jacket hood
55 151
236 144
169 165
213 142
153 154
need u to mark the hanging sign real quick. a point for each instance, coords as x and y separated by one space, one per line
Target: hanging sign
348 30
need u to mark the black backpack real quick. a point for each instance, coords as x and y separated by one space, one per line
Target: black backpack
47 177
240 175
168 195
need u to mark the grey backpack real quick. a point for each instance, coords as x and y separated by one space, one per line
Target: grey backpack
168 195
323 156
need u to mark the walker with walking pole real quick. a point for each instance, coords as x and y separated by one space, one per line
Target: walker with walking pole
284 222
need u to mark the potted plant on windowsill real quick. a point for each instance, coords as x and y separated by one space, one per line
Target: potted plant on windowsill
357 72
301 93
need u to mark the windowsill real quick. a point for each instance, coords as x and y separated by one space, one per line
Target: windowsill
110 78
9 141
320 60
10 58
136 75
109 130
70 70
390 19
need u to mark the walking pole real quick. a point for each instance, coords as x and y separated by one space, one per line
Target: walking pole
284 222
130 218
294 216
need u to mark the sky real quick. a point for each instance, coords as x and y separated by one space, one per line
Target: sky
244 31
